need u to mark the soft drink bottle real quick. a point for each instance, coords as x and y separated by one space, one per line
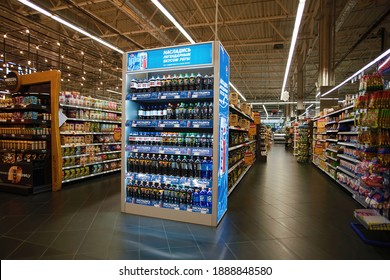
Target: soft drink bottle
168 83
152 84
170 111
190 111
140 86
165 162
174 83
141 190
166 192
136 163
183 196
203 197
172 166
178 166
189 197
146 86
210 111
146 191
130 163
184 167
196 198
160 193
209 198
204 168
205 82
142 163
159 165
180 82
177 194
209 173
211 82
186 82
197 111
198 168
177 111
141 112
198 82
165 112
158 84
148 164
191 171
153 164
191 85
172 198
129 191
203 141
136 189
133 86
205 110
164 83
198 140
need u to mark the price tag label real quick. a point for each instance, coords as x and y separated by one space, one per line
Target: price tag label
134 98
13 135
12 120
176 125
196 125
177 153
134 125
164 97
161 151
177 96
194 96
189 210
162 125
135 150
203 211
176 208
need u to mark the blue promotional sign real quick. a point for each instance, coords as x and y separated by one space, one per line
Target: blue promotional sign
223 132
191 55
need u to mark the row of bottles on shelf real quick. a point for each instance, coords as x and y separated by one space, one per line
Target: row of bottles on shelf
24 101
170 111
88 158
373 100
89 170
30 115
236 138
88 127
169 193
86 139
172 83
374 118
371 82
23 145
76 99
12 158
81 150
180 139
18 130
91 114
192 167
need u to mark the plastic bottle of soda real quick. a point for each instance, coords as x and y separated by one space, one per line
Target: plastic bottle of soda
160 192
136 191
133 86
180 82
130 163
198 140
177 194
158 84
141 163
163 83
184 167
159 164
191 171
129 190
198 168
148 164
166 192
153 164
168 83
146 191
191 83
146 86
196 198
211 82
205 82
183 196
165 162
172 166
203 197
174 83
198 82
210 111
209 172
204 168
136 163
172 198
186 82
177 111
165 112
152 84
209 198
170 114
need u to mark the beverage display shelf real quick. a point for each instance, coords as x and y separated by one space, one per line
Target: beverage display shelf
239 179
84 133
332 158
241 145
26 136
346 120
333 122
24 121
93 120
89 108
347 144
348 132
92 144
332 131
237 128
346 157
39 151
170 150
76 156
235 165
168 179
170 95
207 123
91 163
27 107
106 153
331 166
90 175
332 150
239 112
347 172
332 140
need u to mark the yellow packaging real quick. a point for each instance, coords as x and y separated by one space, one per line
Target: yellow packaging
233 120
234 98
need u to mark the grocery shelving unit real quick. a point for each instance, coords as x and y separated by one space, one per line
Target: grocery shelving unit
161 194
90 137
30 145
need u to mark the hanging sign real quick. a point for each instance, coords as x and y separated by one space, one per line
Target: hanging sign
12 81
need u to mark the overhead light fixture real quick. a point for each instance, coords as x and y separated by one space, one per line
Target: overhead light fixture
265 110
298 20
173 20
384 63
113 91
358 72
239 93
70 25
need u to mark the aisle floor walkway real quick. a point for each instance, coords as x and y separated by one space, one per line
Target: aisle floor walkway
281 210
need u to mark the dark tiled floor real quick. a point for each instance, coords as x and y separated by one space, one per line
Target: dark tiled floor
281 210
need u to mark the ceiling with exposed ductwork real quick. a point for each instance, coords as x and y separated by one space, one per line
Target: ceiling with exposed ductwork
256 34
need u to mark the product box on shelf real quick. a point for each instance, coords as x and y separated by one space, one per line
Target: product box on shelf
233 120
244 124
256 117
246 108
234 98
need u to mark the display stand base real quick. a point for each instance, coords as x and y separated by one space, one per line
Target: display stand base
372 237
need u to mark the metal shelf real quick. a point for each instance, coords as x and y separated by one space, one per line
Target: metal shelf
329 149
89 120
328 123
236 165
348 158
348 133
241 145
347 144
347 120
89 108
90 175
332 131
332 158
332 140
106 153
76 156
349 173
239 179
238 111
83 132
91 163
237 128
331 166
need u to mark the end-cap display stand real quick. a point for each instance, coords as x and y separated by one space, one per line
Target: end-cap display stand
199 196
30 151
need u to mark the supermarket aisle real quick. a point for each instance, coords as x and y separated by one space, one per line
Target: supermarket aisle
281 210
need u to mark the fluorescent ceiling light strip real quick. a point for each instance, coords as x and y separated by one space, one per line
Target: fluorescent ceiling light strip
181 29
239 93
358 72
265 110
173 20
307 109
384 63
70 25
298 20
113 91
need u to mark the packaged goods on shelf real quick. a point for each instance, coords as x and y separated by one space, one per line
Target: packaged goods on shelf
233 120
234 98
